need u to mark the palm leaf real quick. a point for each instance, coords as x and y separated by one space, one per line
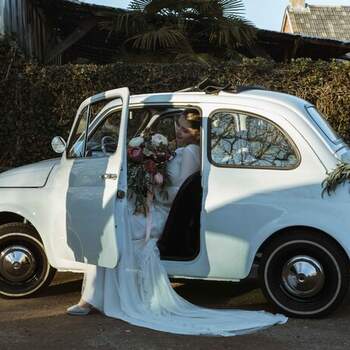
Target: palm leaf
139 5
172 23
232 8
220 8
213 8
151 6
163 37
227 32
125 23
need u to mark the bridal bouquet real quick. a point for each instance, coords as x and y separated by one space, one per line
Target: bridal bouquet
147 158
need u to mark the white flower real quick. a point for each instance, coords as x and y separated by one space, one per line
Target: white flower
147 152
158 139
158 178
136 141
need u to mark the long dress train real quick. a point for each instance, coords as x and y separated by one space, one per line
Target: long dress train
138 290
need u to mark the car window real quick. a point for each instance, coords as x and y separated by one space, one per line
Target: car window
103 139
165 125
138 120
92 136
238 139
78 141
104 131
321 122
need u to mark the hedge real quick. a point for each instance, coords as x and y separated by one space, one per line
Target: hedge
39 102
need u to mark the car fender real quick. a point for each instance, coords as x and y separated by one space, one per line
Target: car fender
324 218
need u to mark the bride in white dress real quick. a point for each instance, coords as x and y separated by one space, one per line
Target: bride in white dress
138 290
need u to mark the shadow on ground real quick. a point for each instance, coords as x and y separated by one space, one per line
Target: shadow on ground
207 293
41 323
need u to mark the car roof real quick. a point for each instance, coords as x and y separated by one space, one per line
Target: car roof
252 97
286 106
222 97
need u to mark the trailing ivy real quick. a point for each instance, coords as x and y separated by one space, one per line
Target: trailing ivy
339 176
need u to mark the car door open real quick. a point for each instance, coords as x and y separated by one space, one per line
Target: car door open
95 177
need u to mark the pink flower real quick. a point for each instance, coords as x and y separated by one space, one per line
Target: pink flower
135 154
158 179
161 157
150 166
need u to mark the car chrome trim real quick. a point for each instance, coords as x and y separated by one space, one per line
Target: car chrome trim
17 263
303 276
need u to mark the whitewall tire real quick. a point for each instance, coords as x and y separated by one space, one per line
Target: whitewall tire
24 267
304 274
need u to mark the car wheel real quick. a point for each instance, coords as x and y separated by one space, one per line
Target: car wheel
304 274
24 267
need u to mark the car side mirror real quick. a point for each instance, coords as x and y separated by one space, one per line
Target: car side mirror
58 144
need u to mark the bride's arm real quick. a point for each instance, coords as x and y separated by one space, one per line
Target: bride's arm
190 162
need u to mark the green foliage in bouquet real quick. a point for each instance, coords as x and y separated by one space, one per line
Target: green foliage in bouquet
338 176
147 169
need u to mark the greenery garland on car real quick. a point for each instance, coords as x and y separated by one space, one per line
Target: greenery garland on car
338 176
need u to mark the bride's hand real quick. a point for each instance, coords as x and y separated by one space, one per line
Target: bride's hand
173 145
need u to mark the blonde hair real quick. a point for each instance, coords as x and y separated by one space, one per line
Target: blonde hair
193 117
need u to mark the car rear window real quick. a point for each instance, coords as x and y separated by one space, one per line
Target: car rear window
320 120
241 140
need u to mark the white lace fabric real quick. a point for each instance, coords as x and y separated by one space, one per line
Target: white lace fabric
138 290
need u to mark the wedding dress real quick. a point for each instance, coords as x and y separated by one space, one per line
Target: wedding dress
138 290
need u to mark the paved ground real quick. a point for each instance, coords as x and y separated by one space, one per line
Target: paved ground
41 323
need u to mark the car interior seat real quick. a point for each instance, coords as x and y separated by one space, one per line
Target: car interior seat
181 235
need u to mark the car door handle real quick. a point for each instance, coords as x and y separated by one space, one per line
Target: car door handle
109 176
120 194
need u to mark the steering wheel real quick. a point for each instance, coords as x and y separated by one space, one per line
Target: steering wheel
107 141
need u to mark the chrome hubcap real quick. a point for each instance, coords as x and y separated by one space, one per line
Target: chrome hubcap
303 276
17 263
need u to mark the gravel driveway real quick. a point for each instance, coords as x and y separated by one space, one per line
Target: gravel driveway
41 323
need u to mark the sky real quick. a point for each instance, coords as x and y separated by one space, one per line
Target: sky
267 15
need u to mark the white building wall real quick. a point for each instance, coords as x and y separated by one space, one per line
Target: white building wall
2 18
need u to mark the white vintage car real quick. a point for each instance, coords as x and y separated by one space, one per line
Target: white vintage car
256 201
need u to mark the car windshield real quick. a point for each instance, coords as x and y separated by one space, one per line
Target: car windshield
103 129
88 119
320 120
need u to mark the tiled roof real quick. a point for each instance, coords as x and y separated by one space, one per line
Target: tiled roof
332 22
